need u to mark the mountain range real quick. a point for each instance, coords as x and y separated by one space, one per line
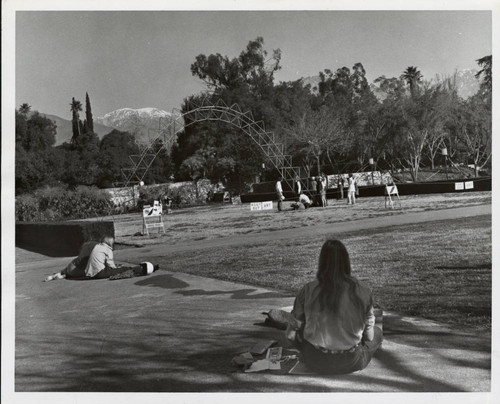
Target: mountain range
64 130
144 123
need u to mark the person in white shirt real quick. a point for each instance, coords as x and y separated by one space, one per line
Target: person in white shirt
279 194
101 264
351 191
334 325
96 261
304 199
76 268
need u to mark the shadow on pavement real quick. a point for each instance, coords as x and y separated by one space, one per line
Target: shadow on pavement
171 282
98 364
400 331
163 281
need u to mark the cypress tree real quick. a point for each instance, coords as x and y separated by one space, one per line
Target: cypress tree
88 114
76 106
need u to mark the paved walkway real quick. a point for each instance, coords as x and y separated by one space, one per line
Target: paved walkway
178 332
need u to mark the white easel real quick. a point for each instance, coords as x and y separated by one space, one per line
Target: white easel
149 212
391 190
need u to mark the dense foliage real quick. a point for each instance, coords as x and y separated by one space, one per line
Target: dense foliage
56 203
337 124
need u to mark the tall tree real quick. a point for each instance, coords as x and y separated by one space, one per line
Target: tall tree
486 65
89 121
474 123
76 107
37 162
413 77
320 132
114 151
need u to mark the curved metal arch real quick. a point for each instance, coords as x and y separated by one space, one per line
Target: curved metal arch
209 111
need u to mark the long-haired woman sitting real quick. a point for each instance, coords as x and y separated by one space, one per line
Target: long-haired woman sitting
338 333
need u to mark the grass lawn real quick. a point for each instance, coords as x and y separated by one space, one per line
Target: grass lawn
218 220
438 270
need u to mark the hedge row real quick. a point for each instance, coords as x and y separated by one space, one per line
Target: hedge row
60 239
57 203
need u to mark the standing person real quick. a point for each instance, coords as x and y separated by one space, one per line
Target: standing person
351 190
324 186
319 190
340 184
313 187
335 328
279 194
297 186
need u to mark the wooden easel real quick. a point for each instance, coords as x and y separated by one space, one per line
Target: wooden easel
391 190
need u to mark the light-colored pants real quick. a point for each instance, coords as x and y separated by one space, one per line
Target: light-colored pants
351 197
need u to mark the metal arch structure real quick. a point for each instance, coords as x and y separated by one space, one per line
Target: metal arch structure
164 137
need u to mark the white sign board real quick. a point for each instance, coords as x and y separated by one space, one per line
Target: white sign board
255 206
459 186
391 190
150 211
268 205
469 185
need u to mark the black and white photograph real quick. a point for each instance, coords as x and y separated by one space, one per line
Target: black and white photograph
262 197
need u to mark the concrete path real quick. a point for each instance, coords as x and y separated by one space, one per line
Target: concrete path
177 332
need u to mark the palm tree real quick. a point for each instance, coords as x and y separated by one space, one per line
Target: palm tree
412 76
76 106
25 108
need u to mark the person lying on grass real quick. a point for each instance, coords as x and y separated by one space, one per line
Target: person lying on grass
335 328
96 261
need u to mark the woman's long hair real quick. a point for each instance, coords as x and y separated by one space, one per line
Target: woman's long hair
334 276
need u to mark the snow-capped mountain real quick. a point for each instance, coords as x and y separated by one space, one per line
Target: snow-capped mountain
466 82
143 123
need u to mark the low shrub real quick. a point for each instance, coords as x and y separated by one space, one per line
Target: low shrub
149 194
56 203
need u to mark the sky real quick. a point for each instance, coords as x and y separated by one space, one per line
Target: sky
139 59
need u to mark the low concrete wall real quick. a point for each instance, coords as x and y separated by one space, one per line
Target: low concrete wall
411 188
60 239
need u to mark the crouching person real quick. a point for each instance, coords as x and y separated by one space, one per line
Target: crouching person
304 199
101 264
95 261
335 328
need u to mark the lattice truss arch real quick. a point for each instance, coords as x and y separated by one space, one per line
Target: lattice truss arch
164 137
